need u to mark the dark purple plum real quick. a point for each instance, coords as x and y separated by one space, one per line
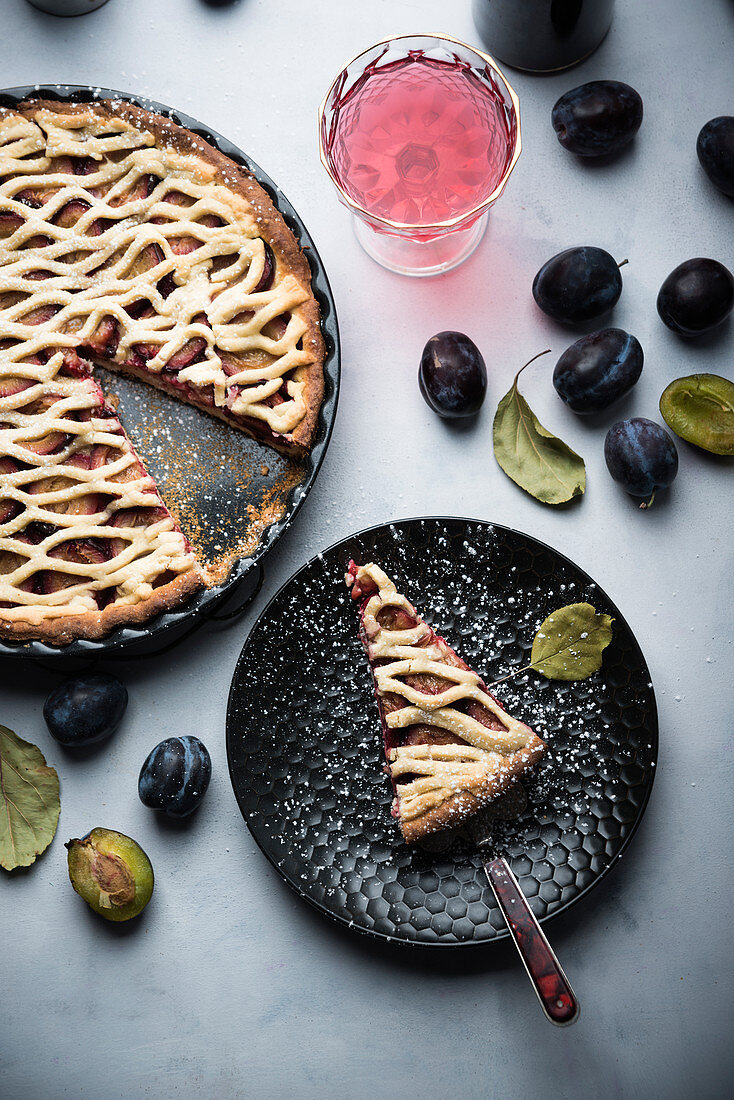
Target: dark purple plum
641 456
452 375
578 284
598 369
175 776
597 118
696 297
715 149
85 709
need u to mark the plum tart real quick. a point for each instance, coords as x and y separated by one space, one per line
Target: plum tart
129 241
450 746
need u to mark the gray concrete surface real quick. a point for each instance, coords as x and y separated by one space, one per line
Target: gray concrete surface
230 986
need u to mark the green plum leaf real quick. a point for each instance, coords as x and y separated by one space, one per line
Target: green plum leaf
533 457
700 409
29 801
570 642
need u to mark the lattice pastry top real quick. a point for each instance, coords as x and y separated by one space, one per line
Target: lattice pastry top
126 238
450 746
132 238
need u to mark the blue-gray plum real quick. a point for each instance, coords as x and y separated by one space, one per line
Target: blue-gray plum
598 369
597 118
452 375
175 776
578 284
85 709
641 456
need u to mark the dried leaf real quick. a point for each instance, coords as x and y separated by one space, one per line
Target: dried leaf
570 643
29 801
533 457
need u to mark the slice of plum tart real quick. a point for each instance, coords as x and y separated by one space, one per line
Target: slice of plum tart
450 746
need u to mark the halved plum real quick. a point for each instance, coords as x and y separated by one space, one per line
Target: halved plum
74 166
54 440
179 198
49 444
39 241
182 246
10 561
143 187
85 504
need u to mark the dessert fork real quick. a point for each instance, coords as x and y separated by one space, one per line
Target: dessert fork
553 989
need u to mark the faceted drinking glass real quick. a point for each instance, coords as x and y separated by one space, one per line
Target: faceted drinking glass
419 135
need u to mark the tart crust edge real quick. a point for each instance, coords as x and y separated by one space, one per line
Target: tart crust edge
465 803
92 625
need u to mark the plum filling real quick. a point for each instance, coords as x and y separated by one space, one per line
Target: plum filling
143 187
71 212
9 222
75 365
40 315
35 532
74 166
104 339
147 258
9 562
166 285
10 386
9 508
29 198
266 279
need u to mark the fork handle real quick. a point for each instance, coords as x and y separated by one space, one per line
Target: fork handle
556 997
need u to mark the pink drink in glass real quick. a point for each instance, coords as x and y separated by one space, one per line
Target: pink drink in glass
420 141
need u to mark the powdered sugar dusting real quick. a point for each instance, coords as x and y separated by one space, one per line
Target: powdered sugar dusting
308 752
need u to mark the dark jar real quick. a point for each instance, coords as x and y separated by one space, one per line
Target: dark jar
541 36
67 7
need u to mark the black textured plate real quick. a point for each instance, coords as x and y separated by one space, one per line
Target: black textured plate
304 742
234 496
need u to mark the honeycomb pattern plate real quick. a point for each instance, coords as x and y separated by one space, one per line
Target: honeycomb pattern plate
305 753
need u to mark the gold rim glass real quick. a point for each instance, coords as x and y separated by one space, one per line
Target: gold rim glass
435 246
